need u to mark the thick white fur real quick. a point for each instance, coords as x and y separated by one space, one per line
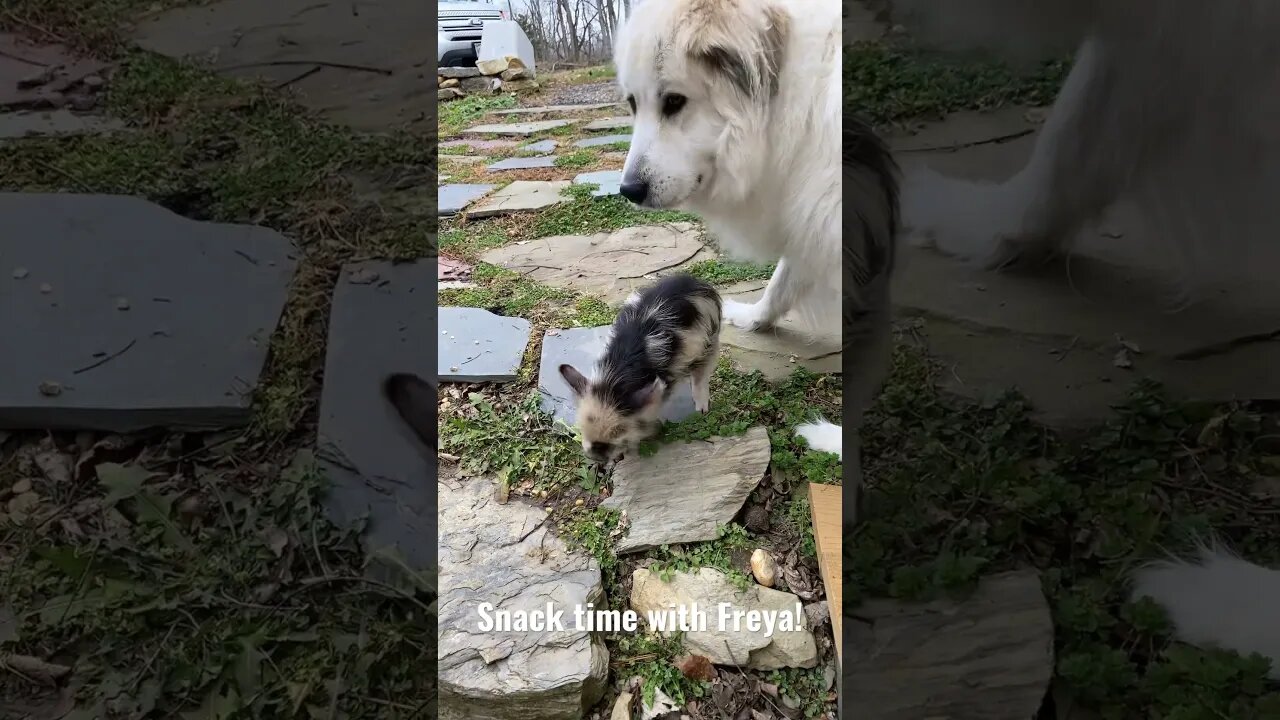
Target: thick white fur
763 168
1173 106
1218 600
823 436
769 163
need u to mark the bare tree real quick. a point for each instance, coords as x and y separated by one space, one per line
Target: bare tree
576 31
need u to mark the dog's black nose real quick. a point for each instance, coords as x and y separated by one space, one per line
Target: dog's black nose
636 192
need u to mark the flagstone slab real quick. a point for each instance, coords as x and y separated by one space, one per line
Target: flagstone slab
728 469
524 128
581 347
362 65
609 123
609 181
776 352
476 345
126 316
381 322
544 109
453 198
522 195
611 265
602 140
524 163
479 144
542 146
54 123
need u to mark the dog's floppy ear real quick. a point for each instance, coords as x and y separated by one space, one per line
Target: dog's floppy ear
577 382
415 399
749 59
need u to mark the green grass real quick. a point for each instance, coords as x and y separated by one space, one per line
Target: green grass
887 84
217 597
717 554
587 215
577 158
457 115
728 272
957 490
652 658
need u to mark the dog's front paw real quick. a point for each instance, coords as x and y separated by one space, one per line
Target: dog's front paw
744 315
702 405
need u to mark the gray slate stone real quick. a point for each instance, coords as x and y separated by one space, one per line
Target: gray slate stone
478 144
580 347
608 180
988 656
727 470
522 195
54 122
381 323
609 264
202 302
458 72
524 128
454 198
375 75
547 109
542 146
505 555
477 346
609 123
741 646
524 163
777 351
602 140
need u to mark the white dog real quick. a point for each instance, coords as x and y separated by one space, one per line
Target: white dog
1172 106
738 113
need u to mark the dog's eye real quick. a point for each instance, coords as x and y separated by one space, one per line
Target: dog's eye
631 100
671 104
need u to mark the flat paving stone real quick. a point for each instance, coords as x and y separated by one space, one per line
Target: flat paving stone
728 469
581 347
778 351
365 69
609 123
524 128
59 71
476 345
524 163
507 554
141 317
479 144
522 195
53 123
453 198
374 463
608 180
602 140
544 109
609 264
542 146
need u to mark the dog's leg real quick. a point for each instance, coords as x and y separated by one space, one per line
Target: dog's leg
779 296
1068 181
701 378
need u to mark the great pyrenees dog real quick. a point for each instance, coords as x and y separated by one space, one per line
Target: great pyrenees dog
1171 106
737 117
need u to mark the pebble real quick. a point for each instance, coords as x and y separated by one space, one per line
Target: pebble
22 486
21 504
48 388
122 303
579 502
763 568
93 82
20 273
46 288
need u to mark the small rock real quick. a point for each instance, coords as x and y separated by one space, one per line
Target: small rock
448 94
818 613
93 82
48 388
458 72
22 486
122 303
83 103
579 502
1123 359
475 85
496 66
21 505
450 83
35 79
46 288
520 85
622 708
20 273
757 519
363 276
519 73
55 466
763 568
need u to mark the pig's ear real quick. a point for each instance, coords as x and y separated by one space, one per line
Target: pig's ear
577 381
